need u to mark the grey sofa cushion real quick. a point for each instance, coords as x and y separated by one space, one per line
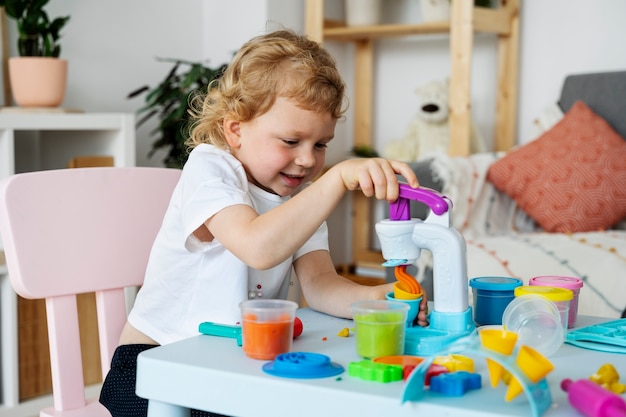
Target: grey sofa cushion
604 93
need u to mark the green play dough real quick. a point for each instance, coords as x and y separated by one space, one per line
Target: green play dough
379 334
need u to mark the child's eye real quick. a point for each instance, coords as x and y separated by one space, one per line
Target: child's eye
290 141
321 145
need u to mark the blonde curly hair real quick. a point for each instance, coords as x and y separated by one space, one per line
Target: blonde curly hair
278 64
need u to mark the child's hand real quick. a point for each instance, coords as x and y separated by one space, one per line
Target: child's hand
375 176
422 315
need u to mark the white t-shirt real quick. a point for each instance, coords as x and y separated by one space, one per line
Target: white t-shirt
188 282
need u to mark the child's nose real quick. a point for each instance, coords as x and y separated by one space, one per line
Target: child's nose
305 158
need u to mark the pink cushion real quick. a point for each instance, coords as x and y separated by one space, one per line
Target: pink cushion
572 178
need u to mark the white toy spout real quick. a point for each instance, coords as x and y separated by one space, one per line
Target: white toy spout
402 240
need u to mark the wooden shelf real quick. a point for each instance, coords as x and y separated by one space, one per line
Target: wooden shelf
484 21
465 21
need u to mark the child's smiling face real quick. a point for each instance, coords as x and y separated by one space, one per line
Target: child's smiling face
284 147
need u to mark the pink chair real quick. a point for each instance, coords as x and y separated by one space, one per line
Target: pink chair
72 231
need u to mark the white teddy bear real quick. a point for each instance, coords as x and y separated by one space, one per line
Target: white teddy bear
428 132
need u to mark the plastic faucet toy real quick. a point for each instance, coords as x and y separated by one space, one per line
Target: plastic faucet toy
402 239
592 400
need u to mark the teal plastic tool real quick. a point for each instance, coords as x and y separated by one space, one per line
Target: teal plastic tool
606 337
223 330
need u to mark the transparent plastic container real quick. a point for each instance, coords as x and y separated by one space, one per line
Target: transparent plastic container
537 322
569 283
267 327
561 297
380 327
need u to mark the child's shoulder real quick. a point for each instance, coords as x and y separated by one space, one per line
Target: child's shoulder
206 152
211 161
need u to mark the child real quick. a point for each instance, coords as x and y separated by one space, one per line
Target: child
243 214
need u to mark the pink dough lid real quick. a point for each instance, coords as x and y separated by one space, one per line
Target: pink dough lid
570 283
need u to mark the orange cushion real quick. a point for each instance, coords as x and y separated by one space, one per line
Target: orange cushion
572 178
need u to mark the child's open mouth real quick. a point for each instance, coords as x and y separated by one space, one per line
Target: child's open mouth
292 180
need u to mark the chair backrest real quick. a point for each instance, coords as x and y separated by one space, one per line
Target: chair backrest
73 231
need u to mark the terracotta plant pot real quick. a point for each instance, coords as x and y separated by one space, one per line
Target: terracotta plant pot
38 81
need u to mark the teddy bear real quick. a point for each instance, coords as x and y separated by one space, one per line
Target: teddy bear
428 132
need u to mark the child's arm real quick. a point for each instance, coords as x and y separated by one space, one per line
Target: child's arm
330 293
263 241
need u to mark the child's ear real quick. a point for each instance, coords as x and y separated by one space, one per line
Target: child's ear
232 133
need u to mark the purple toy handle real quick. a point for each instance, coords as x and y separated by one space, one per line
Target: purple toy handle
400 209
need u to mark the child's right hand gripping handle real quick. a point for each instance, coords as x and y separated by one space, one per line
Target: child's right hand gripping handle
400 209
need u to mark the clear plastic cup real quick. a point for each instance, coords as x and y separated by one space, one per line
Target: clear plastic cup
537 322
267 327
570 283
380 327
561 297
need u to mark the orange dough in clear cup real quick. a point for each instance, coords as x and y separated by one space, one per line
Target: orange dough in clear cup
267 327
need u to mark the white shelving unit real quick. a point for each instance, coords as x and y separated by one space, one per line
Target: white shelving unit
33 141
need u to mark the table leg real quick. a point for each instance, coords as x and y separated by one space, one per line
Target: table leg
161 409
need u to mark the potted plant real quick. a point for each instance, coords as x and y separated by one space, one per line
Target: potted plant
169 102
38 76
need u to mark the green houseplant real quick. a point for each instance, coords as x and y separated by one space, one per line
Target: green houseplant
169 103
38 76
38 35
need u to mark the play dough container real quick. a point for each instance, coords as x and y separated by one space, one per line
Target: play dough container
561 297
267 327
570 283
380 327
490 297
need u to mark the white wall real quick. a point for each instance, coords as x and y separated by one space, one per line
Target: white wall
112 45
562 37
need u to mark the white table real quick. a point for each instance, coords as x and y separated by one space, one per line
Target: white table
213 373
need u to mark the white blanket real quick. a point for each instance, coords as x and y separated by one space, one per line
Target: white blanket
503 241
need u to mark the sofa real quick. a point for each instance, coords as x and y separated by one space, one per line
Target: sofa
553 206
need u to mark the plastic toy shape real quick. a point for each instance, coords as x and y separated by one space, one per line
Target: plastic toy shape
533 364
455 363
500 341
402 240
433 371
525 366
592 400
408 363
302 365
374 371
455 384
608 378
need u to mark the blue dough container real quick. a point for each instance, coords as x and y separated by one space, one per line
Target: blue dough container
490 297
